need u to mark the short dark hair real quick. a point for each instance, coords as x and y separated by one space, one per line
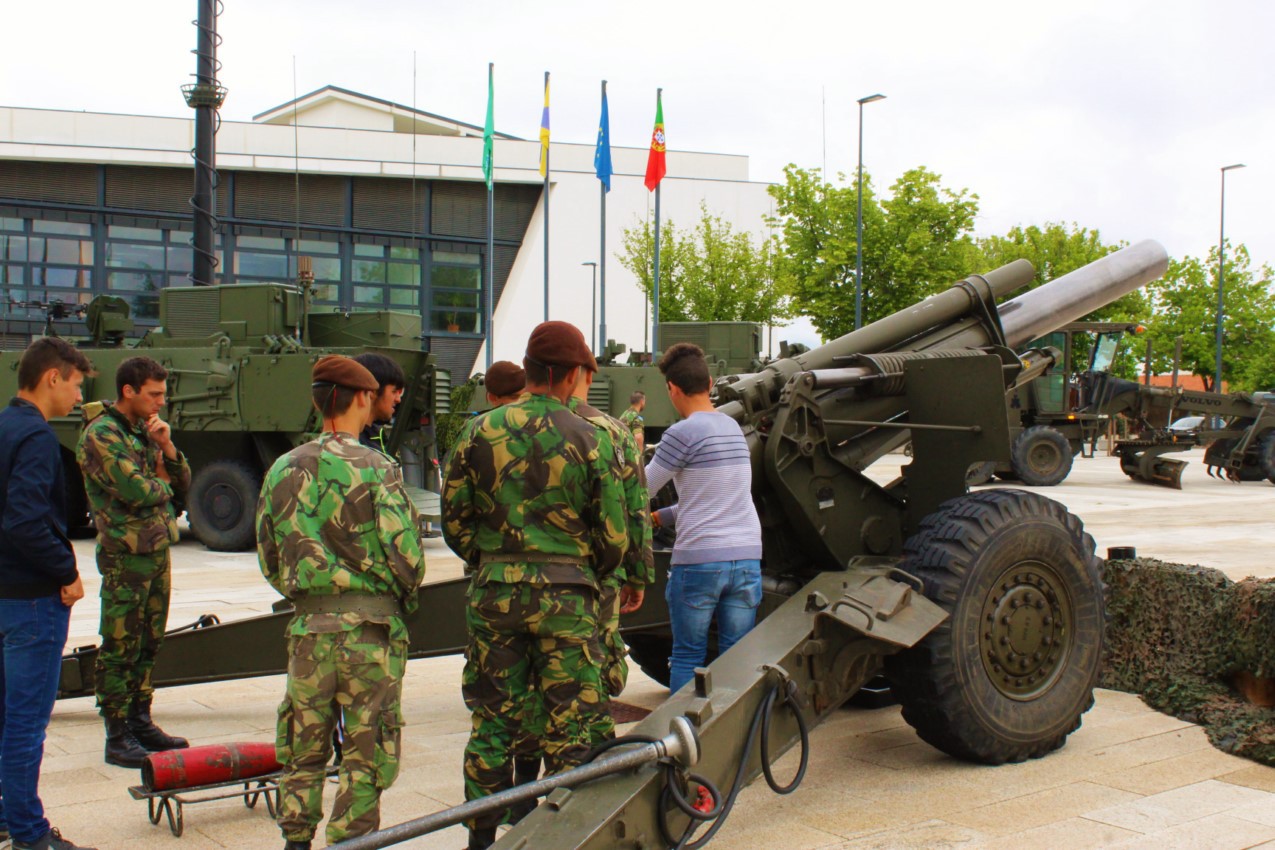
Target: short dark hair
684 366
636 396
333 400
386 371
545 373
48 353
136 371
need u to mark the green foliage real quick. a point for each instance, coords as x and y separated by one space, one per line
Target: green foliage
1185 304
915 242
708 273
449 425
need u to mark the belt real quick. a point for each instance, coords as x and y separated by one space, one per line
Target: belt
368 604
532 558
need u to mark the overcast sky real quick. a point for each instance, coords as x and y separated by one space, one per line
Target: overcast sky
1115 115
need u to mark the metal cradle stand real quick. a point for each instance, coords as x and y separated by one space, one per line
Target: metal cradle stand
173 801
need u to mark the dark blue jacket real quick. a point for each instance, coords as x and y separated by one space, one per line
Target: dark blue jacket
36 558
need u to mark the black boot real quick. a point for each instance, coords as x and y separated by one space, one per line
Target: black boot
481 839
148 734
122 748
526 769
296 845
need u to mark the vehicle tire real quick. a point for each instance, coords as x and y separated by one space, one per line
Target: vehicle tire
1010 672
980 473
223 504
1266 455
1041 456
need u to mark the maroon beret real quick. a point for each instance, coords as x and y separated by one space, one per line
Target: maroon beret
560 344
505 379
344 372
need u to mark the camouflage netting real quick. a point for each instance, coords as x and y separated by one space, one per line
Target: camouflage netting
1178 635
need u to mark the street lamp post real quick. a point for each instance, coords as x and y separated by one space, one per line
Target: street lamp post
858 239
1221 255
593 323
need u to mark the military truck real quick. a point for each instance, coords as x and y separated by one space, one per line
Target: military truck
239 359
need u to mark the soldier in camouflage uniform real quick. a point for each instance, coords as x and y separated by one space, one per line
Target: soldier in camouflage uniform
632 419
337 535
134 477
531 502
622 590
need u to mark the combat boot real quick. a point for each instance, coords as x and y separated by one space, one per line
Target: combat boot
526 769
148 734
481 839
122 748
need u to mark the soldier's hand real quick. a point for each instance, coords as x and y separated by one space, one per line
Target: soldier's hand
73 592
631 598
162 435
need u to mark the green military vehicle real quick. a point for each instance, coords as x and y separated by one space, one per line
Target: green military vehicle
239 360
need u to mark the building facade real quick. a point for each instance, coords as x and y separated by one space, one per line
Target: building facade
388 201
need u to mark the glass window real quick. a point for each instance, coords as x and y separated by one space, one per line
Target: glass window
457 259
42 276
455 322
367 271
397 253
68 251
274 243
403 274
11 224
68 228
261 265
315 246
361 250
326 268
324 293
179 259
134 281
146 234
410 298
184 236
449 300
10 276
370 296
13 247
124 255
450 277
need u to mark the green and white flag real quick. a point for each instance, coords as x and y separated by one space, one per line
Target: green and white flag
489 130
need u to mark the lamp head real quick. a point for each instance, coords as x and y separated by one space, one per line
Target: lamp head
871 98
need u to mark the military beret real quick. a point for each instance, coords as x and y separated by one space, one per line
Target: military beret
560 344
344 372
505 379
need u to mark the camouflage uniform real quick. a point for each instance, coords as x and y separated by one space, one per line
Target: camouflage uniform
637 569
533 504
337 535
634 421
134 511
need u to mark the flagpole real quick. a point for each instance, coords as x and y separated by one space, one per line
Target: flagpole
655 303
546 194
491 222
602 249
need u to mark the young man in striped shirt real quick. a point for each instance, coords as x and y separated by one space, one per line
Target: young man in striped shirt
716 565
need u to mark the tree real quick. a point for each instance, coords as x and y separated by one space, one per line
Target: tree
1185 303
709 273
915 242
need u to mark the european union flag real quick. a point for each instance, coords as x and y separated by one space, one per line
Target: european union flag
602 155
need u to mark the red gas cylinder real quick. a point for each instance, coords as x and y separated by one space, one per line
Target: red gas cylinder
207 765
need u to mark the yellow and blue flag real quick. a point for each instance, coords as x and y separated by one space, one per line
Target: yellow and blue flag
544 132
602 155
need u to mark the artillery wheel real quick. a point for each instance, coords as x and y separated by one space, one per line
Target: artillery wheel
980 473
223 505
1266 455
1007 676
1041 456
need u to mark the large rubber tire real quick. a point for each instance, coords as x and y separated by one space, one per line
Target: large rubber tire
1266 455
223 505
980 473
1010 672
1041 456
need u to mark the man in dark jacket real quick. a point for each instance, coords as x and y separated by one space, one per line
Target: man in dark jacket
39 581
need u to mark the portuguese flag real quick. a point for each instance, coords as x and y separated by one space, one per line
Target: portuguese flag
655 168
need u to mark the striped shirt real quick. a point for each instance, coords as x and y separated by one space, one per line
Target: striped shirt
706 458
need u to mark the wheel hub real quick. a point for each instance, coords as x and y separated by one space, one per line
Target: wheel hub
1025 630
224 505
1043 458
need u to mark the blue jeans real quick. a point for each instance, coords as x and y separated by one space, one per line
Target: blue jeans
731 590
32 637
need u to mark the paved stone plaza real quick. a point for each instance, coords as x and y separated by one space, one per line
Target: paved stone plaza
1130 777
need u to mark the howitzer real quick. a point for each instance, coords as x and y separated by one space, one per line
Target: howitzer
984 610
